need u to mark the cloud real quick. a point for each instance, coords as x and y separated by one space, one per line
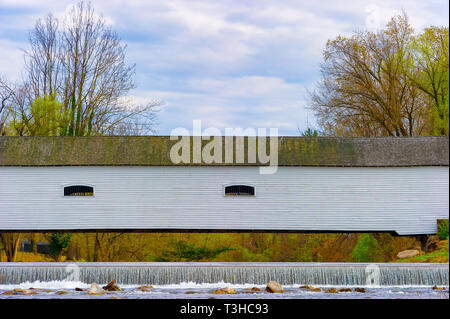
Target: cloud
247 101
229 63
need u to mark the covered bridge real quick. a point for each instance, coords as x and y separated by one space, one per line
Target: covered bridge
130 183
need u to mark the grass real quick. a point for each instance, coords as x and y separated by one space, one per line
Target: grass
438 256
27 257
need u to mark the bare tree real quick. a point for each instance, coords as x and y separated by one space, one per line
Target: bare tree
81 63
5 99
10 242
365 89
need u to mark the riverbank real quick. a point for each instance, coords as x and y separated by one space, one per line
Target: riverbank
438 256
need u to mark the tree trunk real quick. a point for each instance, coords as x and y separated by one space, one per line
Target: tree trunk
10 243
34 243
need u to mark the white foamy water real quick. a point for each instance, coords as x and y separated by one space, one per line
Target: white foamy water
288 274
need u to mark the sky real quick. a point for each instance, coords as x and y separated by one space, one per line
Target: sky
230 63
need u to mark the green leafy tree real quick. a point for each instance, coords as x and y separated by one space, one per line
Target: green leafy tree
365 249
431 74
385 83
58 242
443 229
46 118
309 132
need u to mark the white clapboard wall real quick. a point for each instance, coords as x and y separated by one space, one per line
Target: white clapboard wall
407 200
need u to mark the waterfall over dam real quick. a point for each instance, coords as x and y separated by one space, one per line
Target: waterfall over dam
336 274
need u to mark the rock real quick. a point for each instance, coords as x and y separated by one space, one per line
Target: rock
331 291
408 253
20 291
306 287
192 292
80 289
362 290
436 288
344 290
28 292
62 292
96 290
41 290
112 286
225 290
274 287
432 243
145 288
310 288
115 297
252 289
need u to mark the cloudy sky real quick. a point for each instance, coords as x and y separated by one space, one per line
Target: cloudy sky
231 63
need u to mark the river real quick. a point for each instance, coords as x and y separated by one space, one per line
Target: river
199 280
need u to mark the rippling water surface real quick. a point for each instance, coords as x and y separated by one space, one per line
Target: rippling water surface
51 290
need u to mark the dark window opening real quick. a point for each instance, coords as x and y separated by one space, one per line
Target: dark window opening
240 190
41 247
78 190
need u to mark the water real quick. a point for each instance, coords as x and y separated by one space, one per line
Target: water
199 280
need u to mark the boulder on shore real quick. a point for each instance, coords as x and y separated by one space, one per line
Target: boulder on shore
408 253
274 287
362 290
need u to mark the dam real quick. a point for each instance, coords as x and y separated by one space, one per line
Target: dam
320 274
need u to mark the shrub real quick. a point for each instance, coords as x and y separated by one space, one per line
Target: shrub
59 241
365 249
443 229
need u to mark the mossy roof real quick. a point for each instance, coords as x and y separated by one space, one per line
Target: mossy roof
155 151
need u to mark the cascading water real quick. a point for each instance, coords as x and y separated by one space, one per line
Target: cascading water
335 274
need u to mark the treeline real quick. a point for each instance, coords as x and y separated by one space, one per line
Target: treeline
387 83
238 247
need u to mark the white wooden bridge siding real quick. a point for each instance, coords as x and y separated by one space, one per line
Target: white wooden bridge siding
408 200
